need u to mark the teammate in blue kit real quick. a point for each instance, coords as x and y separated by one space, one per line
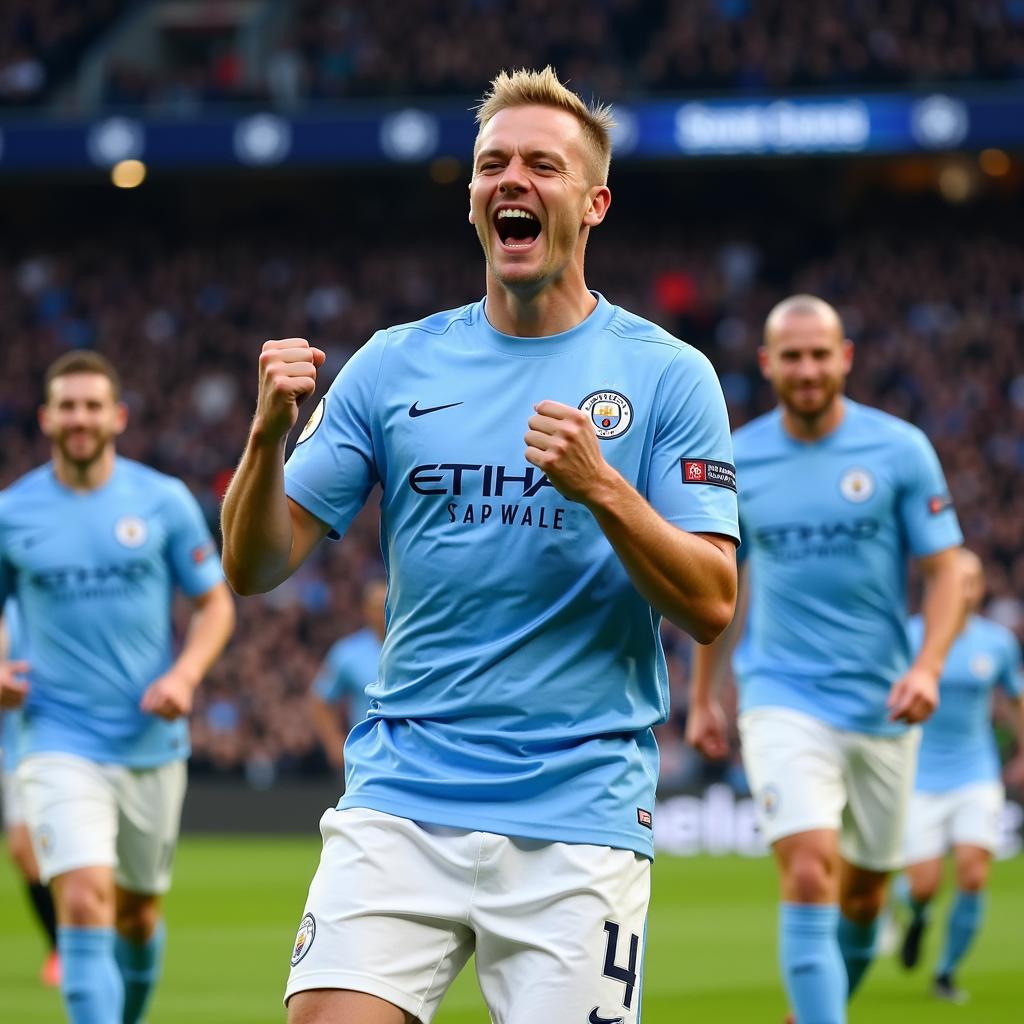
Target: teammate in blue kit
958 796
349 668
834 499
92 547
19 842
538 518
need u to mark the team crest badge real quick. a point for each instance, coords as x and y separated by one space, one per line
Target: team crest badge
304 938
857 485
130 531
769 799
315 419
610 412
982 666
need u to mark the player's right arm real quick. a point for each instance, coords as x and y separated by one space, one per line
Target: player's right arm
706 725
267 536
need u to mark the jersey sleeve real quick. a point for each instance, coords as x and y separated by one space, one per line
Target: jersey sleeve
692 482
191 550
328 684
925 507
1011 678
334 467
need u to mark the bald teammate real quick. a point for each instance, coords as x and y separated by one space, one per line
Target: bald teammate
835 498
957 805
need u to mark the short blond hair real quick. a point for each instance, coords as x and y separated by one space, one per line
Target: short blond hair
525 87
802 305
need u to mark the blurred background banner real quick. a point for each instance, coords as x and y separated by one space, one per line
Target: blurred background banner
807 125
182 179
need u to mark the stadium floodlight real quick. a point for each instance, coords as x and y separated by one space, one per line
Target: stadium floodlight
115 139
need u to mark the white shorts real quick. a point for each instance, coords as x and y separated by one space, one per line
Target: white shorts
13 805
83 814
805 774
396 908
968 816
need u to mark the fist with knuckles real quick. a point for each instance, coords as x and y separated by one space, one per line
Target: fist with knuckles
287 377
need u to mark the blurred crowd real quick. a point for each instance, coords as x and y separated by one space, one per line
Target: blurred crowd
40 41
937 315
330 49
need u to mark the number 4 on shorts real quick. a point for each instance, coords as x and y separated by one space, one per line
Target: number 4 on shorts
627 975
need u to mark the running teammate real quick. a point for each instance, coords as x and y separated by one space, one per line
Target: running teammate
349 668
556 475
957 805
93 546
835 498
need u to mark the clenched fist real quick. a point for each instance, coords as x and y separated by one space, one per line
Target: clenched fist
561 442
287 376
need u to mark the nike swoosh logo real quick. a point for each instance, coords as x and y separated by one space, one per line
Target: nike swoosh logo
596 1018
415 411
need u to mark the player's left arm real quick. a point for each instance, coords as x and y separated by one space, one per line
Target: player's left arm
690 578
915 695
209 629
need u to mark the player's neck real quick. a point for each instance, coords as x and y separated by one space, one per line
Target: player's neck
555 308
814 428
84 476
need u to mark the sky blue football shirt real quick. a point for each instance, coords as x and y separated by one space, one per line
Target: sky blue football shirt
957 744
827 529
10 718
94 576
521 673
347 670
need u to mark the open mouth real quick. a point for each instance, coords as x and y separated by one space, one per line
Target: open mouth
517 229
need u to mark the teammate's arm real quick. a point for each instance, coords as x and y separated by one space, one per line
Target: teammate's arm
210 628
267 536
690 578
328 731
915 695
706 725
1013 773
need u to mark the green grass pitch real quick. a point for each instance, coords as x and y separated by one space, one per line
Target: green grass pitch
711 951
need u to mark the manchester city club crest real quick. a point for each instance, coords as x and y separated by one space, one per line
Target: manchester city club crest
130 531
857 485
304 938
610 412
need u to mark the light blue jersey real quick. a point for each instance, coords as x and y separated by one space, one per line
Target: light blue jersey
828 528
957 745
349 668
10 718
521 673
94 577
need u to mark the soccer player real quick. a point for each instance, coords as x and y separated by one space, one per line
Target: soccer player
92 547
349 668
556 475
835 498
957 802
19 843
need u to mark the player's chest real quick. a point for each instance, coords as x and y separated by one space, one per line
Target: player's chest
470 427
788 504
88 545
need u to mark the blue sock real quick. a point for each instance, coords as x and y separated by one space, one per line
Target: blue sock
90 984
857 945
140 967
812 967
961 927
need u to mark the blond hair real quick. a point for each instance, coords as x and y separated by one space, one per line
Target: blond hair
801 305
523 88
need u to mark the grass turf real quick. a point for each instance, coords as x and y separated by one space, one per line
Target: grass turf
711 953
